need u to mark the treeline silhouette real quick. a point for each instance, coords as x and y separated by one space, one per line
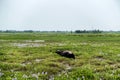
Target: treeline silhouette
76 31
15 31
88 31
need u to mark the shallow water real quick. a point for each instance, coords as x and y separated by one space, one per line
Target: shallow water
27 44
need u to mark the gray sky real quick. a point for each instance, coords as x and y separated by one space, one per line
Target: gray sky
59 14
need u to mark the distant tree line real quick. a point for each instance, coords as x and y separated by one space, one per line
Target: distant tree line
88 31
30 31
76 31
14 31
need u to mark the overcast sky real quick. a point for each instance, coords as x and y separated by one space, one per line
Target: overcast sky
59 14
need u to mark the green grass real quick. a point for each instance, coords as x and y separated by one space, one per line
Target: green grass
31 56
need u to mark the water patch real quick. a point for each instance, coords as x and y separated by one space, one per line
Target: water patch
83 43
33 41
58 44
24 40
25 76
27 44
14 79
38 60
51 77
68 67
97 45
25 63
1 74
35 76
118 55
2 40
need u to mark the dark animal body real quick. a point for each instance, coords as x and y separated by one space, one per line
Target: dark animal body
67 54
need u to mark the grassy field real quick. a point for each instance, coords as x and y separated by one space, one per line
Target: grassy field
31 56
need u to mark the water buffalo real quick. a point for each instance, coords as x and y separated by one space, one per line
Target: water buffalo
66 53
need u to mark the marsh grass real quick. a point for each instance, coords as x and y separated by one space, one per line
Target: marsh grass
97 56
